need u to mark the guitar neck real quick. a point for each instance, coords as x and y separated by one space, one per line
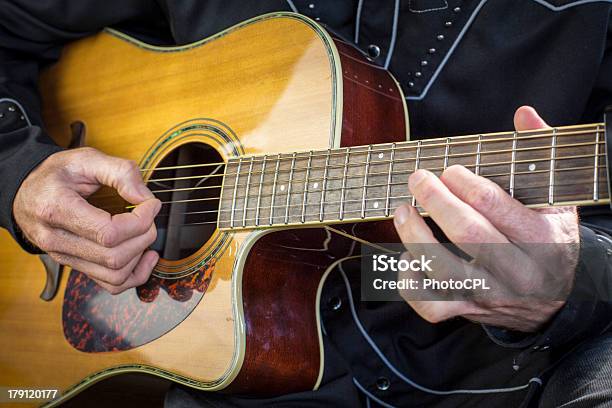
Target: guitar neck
558 166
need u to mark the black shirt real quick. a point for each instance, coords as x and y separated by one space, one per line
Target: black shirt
465 66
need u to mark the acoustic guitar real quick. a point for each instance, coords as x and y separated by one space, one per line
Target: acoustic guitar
270 145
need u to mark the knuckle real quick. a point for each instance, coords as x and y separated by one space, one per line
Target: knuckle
484 197
116 278
46 211
44 240
112 261
128 167
107 236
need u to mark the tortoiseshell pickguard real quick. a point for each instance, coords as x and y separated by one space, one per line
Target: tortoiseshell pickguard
96 321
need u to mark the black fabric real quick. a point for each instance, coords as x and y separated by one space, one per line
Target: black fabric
465 66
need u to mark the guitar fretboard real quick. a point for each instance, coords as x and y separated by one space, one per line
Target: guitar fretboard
559 166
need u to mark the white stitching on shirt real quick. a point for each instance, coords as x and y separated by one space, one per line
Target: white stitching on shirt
393 35
23 111
467 26
568 5
403 377
358 20
295 10
427 10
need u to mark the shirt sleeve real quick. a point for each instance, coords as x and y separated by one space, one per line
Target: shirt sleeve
588 309
32 33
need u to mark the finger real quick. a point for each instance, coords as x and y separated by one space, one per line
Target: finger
129 225
120 174
113 258
140 276
114 277
433 311
419 240
506 214
526 118
76 215
459 221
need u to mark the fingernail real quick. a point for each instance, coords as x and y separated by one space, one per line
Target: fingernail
401 215
416 178
158 207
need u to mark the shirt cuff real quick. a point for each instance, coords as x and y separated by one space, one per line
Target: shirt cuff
21 152
587 310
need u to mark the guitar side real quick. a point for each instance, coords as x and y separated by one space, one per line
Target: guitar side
278 83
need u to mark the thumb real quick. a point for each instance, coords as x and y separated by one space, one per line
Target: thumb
122 175
526 118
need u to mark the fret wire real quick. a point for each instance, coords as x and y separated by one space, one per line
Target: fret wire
365 181
551 191
446 152
416 166
409 159
389 179
306 181
392 208
325 173
596 170
289 188
274 188
246 193
346 162
477 169
353 211
534 134
585 156
235 191
261 184
469 165
539 186
489 176
402 173
512 165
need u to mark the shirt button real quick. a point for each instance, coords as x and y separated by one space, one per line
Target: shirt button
373 51
334 303
383 383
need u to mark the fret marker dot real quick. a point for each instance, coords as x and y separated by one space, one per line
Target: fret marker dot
532 167
375 204
283 187
315 185
381 155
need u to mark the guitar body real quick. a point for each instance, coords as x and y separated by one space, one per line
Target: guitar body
240 314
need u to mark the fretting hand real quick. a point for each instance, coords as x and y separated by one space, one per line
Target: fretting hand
473 210
51 210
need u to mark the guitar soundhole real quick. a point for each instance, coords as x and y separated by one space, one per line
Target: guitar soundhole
188 182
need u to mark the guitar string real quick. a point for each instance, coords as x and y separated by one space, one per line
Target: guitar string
317 214
409 159
217 198
383 198
454 141
386 173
